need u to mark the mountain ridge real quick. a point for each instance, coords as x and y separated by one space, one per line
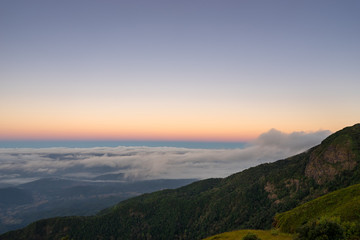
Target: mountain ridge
248 199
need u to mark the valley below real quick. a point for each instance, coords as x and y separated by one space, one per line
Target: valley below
54 197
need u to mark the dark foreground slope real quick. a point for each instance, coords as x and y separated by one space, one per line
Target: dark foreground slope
248 199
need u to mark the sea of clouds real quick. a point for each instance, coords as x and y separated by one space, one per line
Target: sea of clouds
18 165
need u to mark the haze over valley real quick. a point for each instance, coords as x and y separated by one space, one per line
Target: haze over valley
20 165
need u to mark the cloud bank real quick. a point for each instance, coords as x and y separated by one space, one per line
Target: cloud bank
152 162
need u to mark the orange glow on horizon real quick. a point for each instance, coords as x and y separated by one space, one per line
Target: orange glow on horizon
127 135
179 124
134 131
67 124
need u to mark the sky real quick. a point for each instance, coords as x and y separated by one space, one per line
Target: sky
177 70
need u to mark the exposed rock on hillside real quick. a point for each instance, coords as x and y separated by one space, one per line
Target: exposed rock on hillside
334 157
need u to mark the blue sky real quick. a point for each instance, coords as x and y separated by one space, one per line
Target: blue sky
180 70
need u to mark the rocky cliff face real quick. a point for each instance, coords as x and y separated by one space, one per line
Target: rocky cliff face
336 154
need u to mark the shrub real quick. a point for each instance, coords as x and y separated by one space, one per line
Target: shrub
323 229
251 236
274 232
351 230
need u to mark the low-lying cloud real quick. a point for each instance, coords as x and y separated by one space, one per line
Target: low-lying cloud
152 162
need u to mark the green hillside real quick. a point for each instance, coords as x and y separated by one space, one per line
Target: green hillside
246 200
262 234
344 204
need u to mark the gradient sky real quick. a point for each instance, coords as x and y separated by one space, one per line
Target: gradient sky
177 70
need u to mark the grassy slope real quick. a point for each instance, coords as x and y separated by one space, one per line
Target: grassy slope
344 203
262 234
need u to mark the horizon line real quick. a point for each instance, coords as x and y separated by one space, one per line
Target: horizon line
125 140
